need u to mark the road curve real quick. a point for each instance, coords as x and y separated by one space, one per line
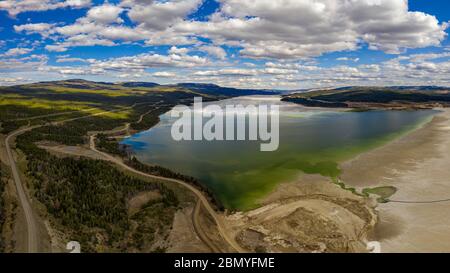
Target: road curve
197 227
32 232
220 225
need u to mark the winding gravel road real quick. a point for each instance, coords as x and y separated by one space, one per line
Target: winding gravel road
204 201
32 231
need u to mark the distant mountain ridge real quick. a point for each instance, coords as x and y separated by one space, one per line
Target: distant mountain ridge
331 96
208 88
201 88
139 84
397 87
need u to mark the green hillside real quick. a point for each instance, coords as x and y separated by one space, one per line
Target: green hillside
373 96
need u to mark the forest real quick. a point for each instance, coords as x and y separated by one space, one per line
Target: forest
89 199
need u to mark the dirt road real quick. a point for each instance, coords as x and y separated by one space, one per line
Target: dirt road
32 230
217 219
199 231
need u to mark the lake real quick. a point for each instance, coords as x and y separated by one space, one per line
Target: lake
311 141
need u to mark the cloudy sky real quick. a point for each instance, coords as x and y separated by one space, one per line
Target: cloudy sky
283 44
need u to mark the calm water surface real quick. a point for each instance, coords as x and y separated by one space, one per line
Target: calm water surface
311 141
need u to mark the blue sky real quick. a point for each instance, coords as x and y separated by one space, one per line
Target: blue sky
283 44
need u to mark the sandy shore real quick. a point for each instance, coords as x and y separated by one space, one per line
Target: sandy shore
309 215
419 166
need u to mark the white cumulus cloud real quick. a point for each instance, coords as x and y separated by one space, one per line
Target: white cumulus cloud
15 7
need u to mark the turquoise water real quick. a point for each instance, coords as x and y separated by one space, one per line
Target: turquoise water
311 141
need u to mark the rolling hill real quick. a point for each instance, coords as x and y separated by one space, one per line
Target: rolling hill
397 97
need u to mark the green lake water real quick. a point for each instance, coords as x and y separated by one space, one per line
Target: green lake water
311 141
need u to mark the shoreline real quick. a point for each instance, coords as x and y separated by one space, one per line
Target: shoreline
417 165
324 202
315 194
310 215
344 153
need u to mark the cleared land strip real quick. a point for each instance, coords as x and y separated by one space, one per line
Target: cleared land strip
32 232
55 114
25 204
217 219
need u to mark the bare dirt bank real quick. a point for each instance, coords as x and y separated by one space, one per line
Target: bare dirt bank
309 215
418 166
